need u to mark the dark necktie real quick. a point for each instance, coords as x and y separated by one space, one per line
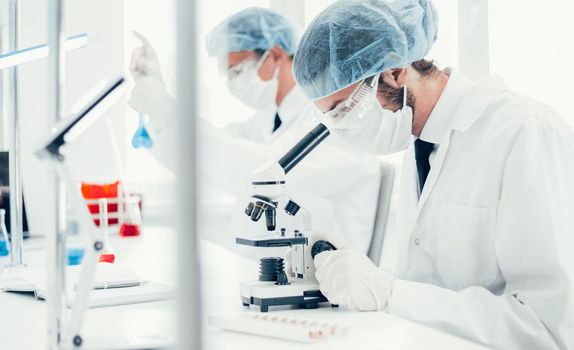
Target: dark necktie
423 150
277 123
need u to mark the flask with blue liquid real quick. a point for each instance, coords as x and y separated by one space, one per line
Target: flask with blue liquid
4 241
142 138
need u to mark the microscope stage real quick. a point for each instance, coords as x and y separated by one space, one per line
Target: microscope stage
305 294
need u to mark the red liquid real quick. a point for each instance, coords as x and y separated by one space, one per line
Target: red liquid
97 191
129 230
108 258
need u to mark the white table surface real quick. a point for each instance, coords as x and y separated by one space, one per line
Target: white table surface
23 319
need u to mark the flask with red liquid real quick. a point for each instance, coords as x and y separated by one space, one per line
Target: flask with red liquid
132 222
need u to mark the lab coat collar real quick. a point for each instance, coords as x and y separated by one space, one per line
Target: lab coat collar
442 115
291 106
470 109
476 100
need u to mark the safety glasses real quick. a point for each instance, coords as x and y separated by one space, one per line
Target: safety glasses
358 102
243 66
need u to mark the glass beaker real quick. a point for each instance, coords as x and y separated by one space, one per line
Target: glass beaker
131 225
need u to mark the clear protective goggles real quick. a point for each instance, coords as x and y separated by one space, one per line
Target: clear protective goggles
241 67
358 103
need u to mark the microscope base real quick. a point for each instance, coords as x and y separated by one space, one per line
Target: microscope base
302 294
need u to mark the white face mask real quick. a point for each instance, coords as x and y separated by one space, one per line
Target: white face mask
247 86
370 128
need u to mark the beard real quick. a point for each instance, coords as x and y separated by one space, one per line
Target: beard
392 98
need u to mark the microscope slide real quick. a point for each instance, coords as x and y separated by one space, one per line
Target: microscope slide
286 328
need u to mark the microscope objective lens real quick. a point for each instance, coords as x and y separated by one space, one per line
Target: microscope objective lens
257 211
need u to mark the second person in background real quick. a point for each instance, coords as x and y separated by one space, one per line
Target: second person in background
254 48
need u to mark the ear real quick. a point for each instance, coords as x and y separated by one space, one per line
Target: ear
396 78
277 53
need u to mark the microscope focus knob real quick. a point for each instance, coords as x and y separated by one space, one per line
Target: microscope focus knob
292 208
321 246
282 279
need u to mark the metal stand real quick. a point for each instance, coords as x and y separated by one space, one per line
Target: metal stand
70 330
64 333
56 240
16 214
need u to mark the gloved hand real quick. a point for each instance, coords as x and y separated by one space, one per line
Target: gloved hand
144 62
336 240
348 278
149 95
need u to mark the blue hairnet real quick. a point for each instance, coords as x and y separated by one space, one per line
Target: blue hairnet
354 39
251 29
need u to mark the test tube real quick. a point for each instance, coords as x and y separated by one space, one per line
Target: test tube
107 255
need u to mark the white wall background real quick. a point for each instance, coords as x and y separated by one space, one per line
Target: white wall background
532 47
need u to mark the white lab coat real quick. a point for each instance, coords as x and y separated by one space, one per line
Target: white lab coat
349 180
488 250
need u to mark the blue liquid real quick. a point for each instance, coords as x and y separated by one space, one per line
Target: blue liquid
141 138
75 256
4 248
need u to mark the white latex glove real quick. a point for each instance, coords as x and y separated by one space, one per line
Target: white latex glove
144 62
149 95
337 241
348 278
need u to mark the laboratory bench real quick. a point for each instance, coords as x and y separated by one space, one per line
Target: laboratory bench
148 325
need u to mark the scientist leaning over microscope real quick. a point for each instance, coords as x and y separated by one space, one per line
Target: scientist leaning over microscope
487 224
254 48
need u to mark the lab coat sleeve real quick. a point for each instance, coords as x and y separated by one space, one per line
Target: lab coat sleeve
163 131
223 162
330 168
235 150
534 248
229 162
257 128
239 129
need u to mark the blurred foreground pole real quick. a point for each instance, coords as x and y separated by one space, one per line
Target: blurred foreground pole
189 309
56 239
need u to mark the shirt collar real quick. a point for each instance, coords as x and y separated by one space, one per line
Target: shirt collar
292 105
442 115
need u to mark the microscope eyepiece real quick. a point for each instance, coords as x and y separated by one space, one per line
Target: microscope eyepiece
292 208
311 140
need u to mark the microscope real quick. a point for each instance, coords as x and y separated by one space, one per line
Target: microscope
275 286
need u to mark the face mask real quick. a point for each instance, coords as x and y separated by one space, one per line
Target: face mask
370 128
245 84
